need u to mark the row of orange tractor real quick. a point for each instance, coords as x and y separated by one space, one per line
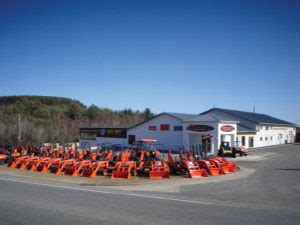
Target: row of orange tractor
124 164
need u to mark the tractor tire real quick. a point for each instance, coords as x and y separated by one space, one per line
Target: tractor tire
2 162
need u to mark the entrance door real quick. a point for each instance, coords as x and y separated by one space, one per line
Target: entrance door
206 145
251 142
280 138
131 139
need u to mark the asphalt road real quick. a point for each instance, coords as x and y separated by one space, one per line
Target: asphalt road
270 195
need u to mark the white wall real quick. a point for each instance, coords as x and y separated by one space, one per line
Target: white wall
272 136
190 137
166 139
246 139
231 133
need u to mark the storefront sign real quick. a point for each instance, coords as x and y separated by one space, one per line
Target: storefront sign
152 128
177 128
200 128
103 132
164 127
88 136
227 128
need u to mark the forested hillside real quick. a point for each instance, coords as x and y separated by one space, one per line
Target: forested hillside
56 119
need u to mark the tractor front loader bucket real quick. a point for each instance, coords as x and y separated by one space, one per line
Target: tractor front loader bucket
41 166
71 168
197 173
210 167
226 169
92 170
24 164
193 170
118 174
159 174
233 166
124 170
159 170
214 171
17 163
32 165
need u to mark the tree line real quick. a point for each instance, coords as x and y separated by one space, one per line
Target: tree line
46 119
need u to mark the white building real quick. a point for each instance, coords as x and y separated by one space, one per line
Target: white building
258 130
175 131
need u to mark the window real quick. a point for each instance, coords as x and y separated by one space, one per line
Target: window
266 138
271 138
260 138
165 127
267 128
243 140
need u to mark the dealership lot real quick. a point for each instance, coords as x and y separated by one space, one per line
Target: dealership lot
265 191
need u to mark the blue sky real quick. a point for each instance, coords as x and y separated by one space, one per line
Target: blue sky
180 56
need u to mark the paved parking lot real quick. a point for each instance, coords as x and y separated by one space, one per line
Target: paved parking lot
265 191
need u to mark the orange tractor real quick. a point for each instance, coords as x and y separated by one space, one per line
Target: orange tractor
185 166
150 164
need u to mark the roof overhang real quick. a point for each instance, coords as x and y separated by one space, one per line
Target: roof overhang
245 132
279 125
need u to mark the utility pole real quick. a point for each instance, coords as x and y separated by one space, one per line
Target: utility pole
19 129
253 109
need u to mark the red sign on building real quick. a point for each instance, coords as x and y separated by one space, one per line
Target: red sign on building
227 128
199 128
152 128
164 127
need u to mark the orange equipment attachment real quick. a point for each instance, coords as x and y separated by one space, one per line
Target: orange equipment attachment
92 169
124 170
185 165
123 157
42 165
18 162
124 165
70 167
31 164
218 162
228 167
15 154
193 170
159 170
3 156
210 168
55 166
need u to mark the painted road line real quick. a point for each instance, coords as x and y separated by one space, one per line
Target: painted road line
134 195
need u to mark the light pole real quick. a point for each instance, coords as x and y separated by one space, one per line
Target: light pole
19 129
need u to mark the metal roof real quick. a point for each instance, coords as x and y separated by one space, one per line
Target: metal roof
210 117
250 116
182 116
242 128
